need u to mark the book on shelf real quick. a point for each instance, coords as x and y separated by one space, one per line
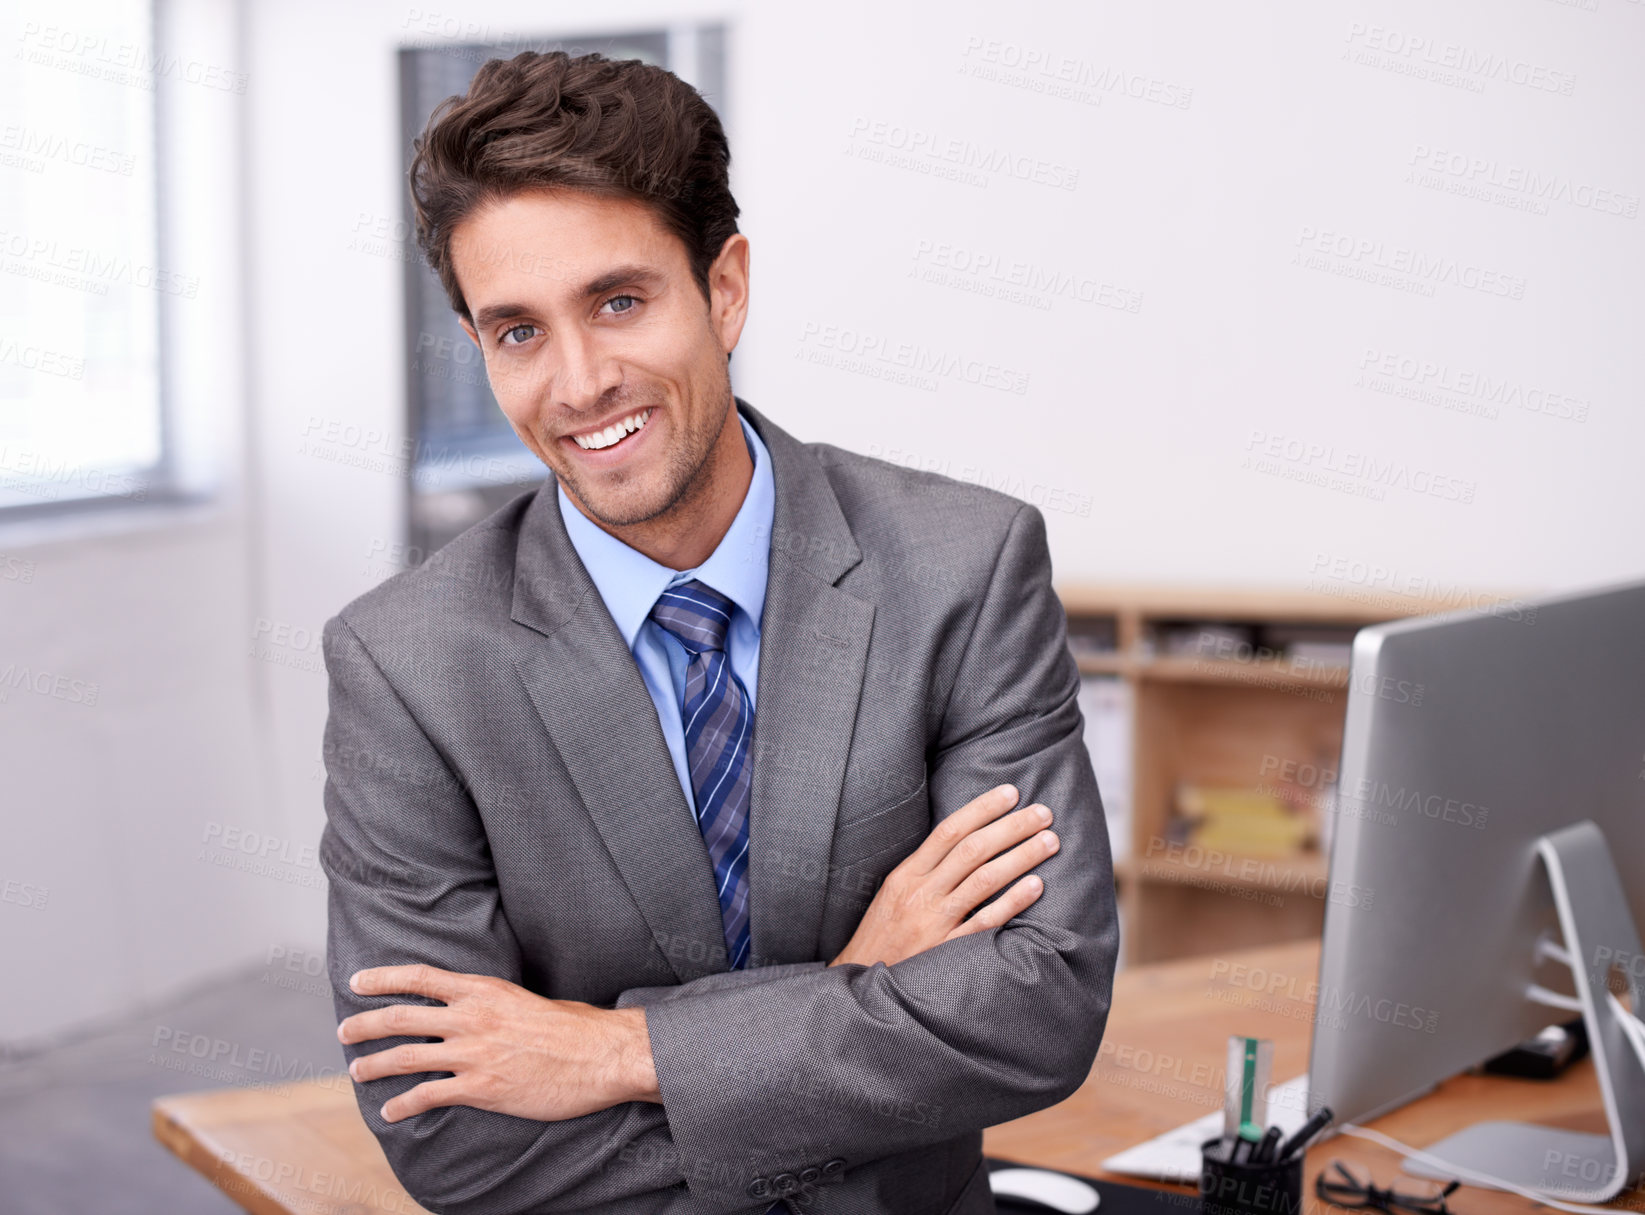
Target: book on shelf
1242 822
1093 635
1206 639
1105 703
1319 653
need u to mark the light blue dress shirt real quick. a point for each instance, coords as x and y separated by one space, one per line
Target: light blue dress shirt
630 583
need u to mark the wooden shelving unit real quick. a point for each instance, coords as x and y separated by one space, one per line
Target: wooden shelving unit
1232 717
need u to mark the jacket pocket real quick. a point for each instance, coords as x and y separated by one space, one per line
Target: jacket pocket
861 839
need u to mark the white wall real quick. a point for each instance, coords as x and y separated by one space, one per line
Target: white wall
118 790
1221 432
1200 209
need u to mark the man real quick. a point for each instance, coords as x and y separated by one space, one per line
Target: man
681 813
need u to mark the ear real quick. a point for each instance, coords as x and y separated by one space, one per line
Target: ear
728 287
468 328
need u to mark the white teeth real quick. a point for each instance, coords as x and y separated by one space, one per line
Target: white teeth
614 432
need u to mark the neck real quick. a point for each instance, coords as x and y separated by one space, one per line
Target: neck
685 535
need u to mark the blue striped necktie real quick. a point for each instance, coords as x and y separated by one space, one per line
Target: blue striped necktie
719 724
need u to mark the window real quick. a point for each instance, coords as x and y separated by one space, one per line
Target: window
83 282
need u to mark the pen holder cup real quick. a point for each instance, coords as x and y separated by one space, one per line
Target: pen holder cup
1227 1188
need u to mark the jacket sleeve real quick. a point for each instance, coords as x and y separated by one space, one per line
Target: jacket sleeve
857 1063
411 880
724 980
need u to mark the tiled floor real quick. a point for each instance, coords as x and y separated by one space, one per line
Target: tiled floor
74 1121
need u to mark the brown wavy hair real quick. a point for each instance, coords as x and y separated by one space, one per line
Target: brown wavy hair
619 128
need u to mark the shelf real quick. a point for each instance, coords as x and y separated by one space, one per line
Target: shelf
1305 874
1269 673
1347 603
1103 664
1215 700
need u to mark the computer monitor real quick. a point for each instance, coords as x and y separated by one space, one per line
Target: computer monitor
1491 799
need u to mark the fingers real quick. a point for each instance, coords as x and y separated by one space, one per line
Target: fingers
410 1020
405 1060
986 879
418 979
1018 899
989 841
977 812
428 1095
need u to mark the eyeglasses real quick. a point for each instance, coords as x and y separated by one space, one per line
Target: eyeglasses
1349 1185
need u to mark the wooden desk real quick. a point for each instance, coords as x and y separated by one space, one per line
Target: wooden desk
1161 1060
304 1148
299 1149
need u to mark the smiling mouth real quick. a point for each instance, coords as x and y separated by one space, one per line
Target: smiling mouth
615 433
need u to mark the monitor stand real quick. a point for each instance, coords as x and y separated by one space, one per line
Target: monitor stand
1599 933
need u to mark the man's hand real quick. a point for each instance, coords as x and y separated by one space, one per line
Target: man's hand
511 1050
925 900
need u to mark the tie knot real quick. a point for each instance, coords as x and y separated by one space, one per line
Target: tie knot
695 613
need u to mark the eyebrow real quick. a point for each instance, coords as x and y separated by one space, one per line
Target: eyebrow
635 274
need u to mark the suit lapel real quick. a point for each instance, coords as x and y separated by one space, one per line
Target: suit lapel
813 651
588 691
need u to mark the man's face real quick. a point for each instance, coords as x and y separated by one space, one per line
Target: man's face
593 328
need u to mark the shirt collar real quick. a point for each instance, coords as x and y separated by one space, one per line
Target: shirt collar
630 582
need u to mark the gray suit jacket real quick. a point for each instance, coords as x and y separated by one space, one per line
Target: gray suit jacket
500 801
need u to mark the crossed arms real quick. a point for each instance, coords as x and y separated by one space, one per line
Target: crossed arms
705 1084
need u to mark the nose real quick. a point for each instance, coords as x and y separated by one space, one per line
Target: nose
584 373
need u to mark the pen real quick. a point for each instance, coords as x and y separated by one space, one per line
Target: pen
1309 1129
1264 1152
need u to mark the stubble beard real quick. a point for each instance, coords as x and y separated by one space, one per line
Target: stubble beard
686 474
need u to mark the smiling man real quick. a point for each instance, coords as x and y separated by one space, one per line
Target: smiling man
688 818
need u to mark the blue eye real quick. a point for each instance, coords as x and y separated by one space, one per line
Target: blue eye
632 301
516 329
